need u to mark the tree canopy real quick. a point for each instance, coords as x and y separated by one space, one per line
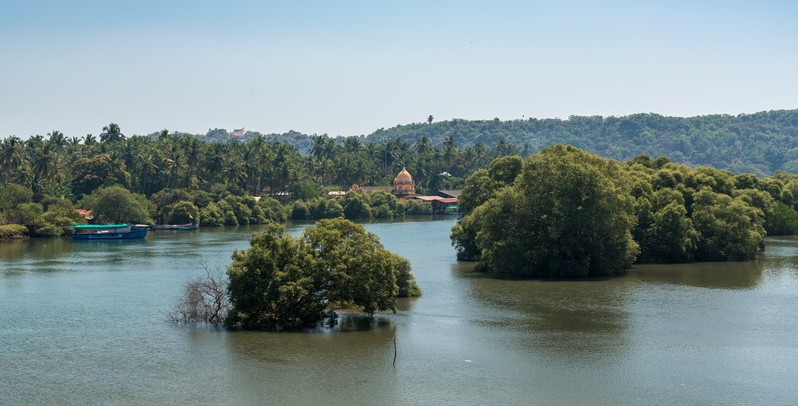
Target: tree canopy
282 282
570 213
115 204
219 175
567 215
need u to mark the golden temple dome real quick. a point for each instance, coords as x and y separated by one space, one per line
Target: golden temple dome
403 177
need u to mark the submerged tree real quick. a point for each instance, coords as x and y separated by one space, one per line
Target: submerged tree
283 282
205 300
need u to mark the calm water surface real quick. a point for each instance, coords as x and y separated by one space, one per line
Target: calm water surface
85 323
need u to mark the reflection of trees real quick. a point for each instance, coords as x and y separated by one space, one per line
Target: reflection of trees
33 256
352 333
721 275
319 367
781 254
351 322
560 318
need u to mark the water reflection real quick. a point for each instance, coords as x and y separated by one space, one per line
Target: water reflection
718 275
555 318
320 368
349 322
73 319
32 249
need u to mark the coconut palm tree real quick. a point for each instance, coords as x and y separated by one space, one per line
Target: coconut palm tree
13 160
45 166
111 133
58 140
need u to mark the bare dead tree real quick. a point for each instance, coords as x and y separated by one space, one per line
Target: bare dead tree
205 299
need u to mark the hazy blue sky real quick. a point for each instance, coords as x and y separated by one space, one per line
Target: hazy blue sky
348 68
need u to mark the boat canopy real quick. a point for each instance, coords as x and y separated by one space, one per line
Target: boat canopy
98 226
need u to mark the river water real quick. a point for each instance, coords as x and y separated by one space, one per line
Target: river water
86 323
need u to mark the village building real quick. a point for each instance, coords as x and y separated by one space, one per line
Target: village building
444 201
403 185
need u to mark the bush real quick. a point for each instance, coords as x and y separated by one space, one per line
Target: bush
782 220
417 207
230 218
212 215
13 232
48 230
299 210
272 209
183 212
356 206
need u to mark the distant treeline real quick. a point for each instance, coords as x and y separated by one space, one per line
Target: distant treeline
57 171
760 143
177 178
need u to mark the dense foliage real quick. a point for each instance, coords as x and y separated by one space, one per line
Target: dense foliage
186 179
216 182
283 282
760 143
115 204
569 213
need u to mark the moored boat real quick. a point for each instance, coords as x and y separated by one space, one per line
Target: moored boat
184 227
109 231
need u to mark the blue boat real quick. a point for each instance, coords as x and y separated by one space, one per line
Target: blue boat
109 231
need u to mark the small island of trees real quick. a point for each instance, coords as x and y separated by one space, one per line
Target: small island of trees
287 283
566 213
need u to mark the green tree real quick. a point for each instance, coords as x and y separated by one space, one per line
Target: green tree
111 133
24 213
569 214
356 205
13 161
359 271
671 236
271 286
729 229
783 220
13 194
506 169
305 190
183 212
282 282
212 215
91 173
272 209
58 219
115 204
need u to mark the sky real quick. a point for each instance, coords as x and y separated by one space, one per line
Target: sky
352 67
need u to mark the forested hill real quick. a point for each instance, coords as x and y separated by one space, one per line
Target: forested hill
759 143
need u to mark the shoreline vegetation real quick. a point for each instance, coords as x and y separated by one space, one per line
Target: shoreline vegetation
219 179
558 212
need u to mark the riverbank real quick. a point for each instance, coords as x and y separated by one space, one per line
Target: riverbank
13 232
